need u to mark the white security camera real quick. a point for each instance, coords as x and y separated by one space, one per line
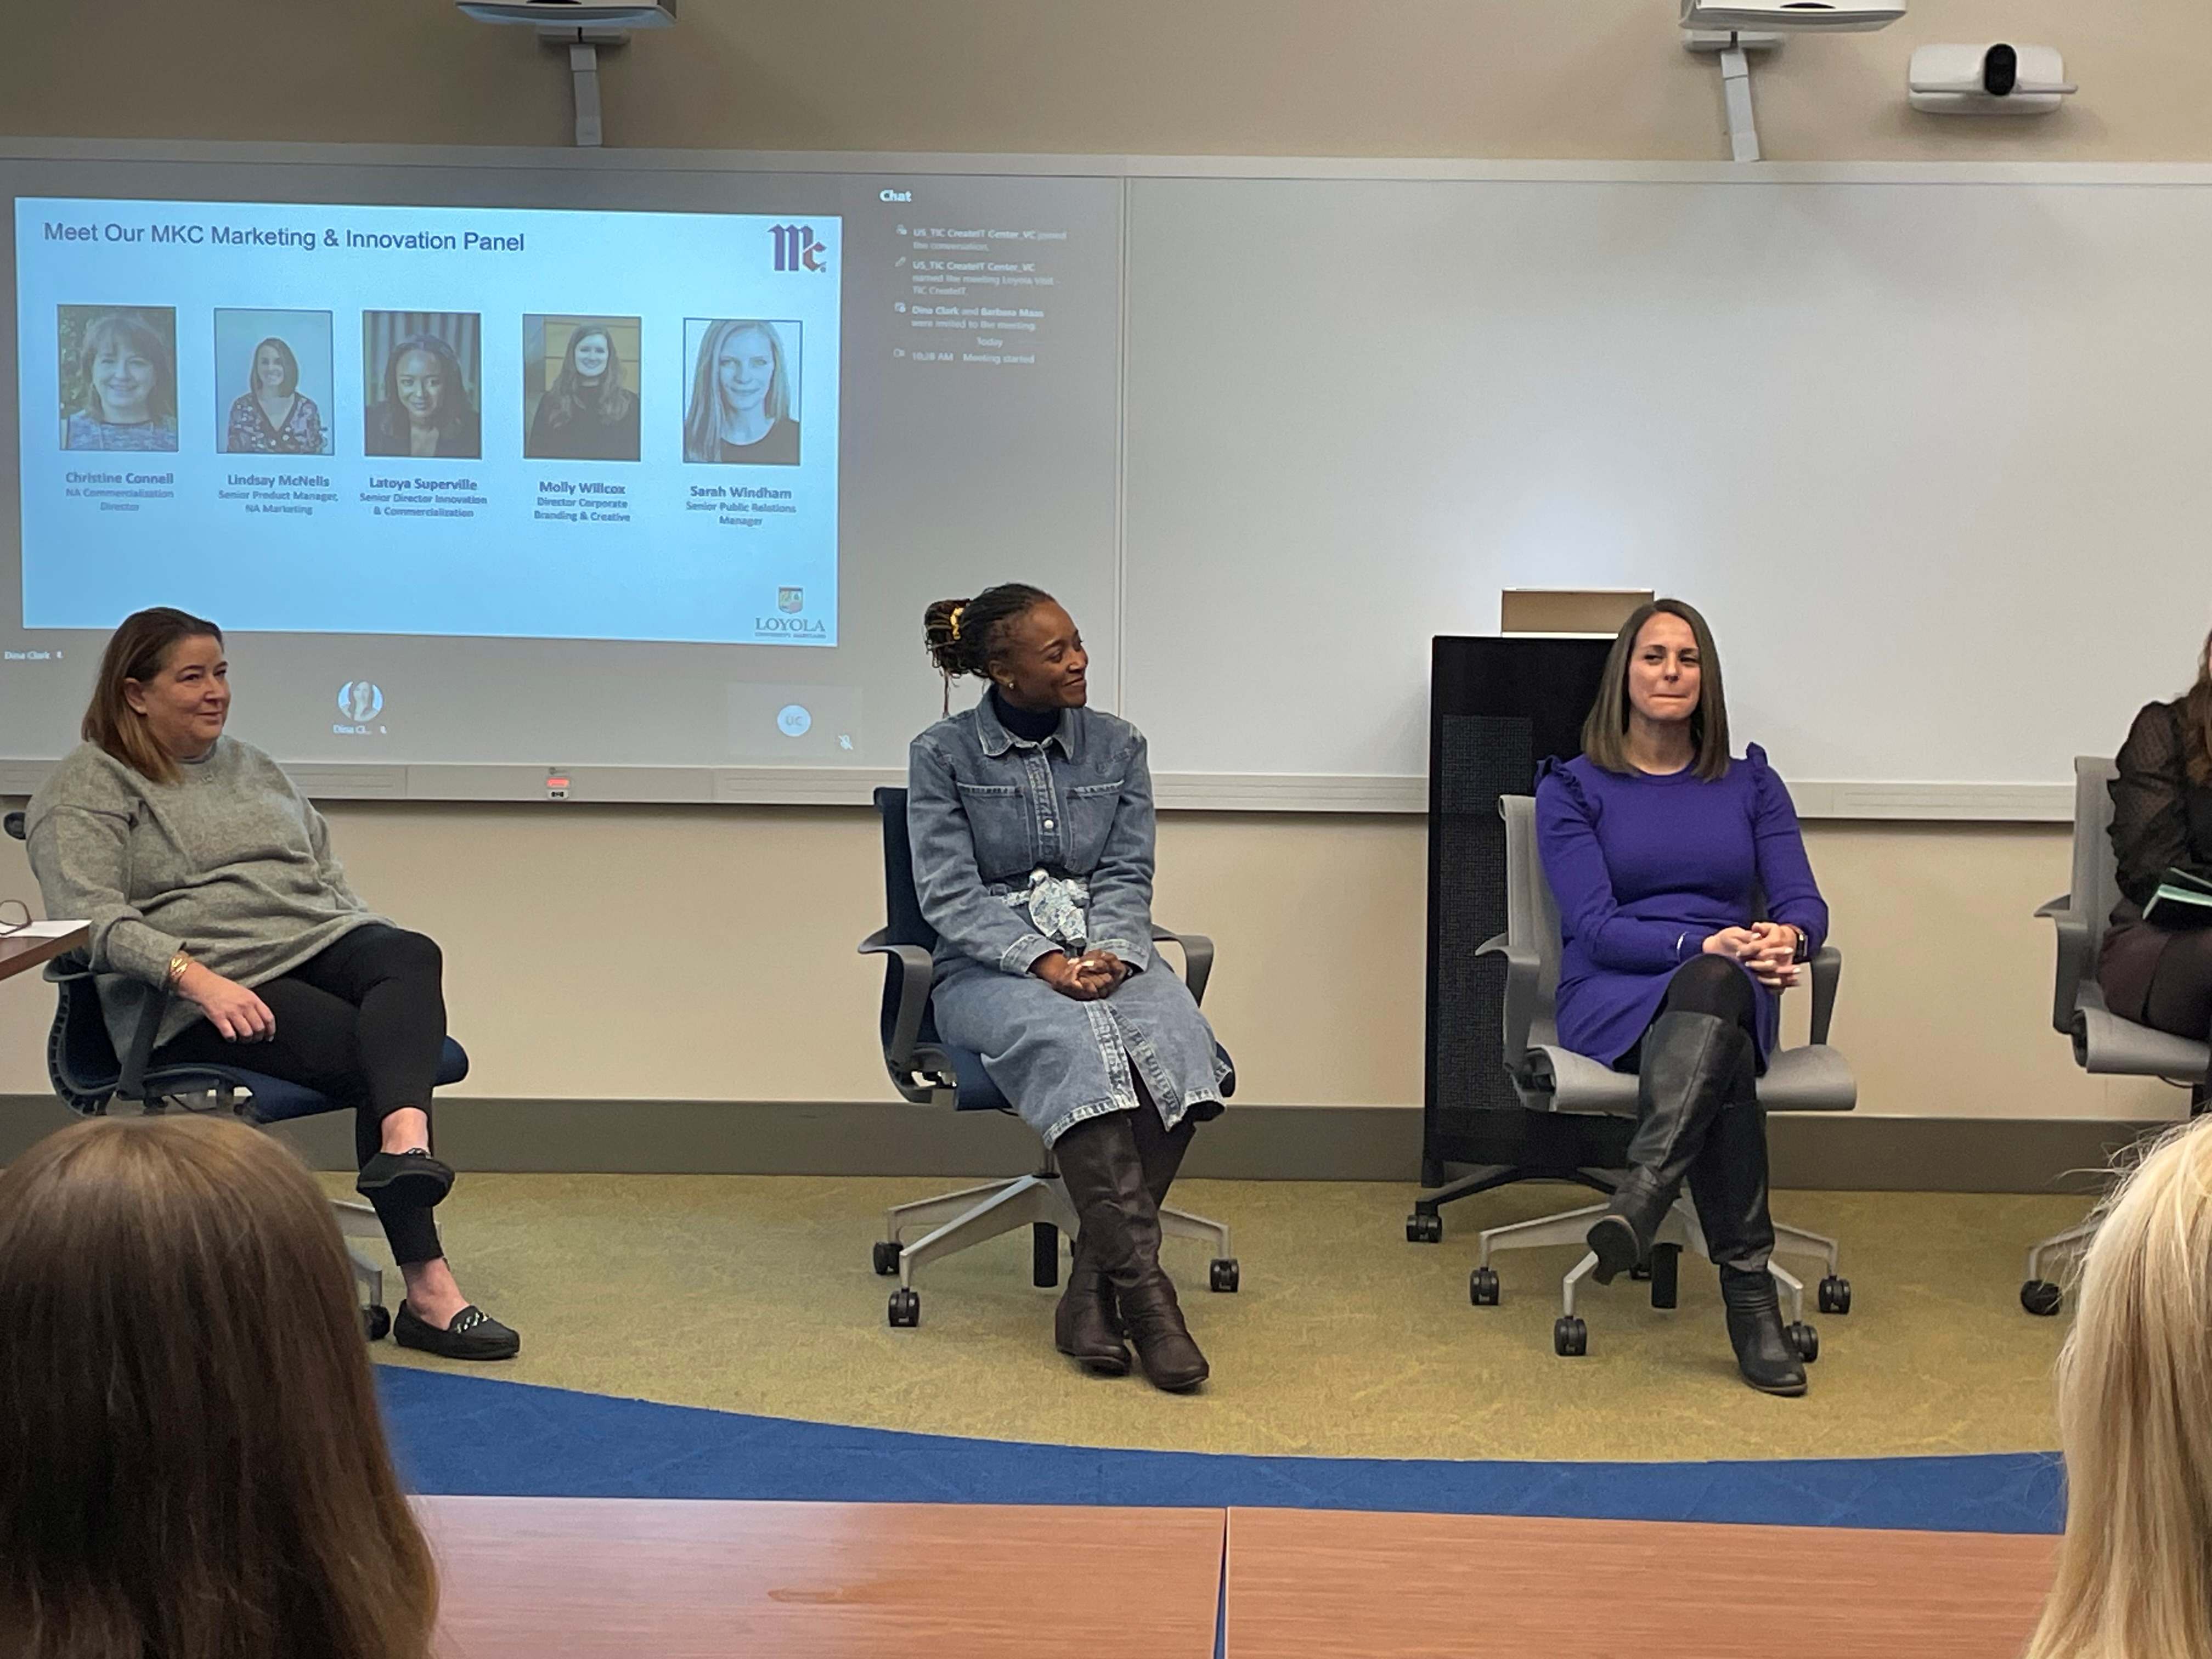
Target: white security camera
574 14
1997 80
1838 17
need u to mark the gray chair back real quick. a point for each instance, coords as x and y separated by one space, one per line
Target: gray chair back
2096 865
1532 914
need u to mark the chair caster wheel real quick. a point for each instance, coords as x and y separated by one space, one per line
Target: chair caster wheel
1641 1271
2041 1297
886 1257
906 1308
1807 1341
1221 1275
1425 1229
1835 1295
376 1322
1482 1287
1570 1337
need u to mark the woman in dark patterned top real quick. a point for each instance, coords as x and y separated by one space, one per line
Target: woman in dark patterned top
274 416
2162 819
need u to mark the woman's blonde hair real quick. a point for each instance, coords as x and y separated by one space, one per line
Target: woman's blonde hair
191 1460
137 650
1605 733
2135 1416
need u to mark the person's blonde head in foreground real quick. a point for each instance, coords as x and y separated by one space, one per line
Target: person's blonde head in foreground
2135 1414
192 1464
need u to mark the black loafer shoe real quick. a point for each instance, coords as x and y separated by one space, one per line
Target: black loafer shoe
413 1177
474 1334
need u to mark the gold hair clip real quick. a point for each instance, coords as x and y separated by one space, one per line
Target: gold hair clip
954 620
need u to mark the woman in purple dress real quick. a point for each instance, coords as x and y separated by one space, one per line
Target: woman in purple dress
1686 905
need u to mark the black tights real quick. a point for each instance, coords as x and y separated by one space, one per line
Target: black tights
2180 996
1704 985
363 1021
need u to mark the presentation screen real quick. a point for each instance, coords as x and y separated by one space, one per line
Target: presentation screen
485 468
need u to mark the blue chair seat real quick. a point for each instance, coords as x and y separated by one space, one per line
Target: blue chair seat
276 1101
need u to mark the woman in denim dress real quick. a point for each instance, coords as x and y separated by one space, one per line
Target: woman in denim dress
1031 819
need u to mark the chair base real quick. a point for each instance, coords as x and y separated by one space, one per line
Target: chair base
1679 1232
957 1221
359 1221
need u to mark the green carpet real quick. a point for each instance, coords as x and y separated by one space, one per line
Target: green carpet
755 1294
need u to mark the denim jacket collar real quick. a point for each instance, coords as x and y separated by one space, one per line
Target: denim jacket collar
997 740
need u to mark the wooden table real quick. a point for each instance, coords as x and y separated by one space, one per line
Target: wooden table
640 1579
1318 1584
20 956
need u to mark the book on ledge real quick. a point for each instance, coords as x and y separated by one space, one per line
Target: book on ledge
2183 900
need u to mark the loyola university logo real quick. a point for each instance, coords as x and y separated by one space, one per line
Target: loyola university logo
791 600
796 248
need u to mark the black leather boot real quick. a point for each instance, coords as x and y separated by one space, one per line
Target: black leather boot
1728 1182
1763 1353
1689 1065
1120 1228
1160 1149
1084 1326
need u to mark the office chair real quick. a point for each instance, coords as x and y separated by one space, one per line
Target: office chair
83 1067
1595 1106
2105 1045
929 1071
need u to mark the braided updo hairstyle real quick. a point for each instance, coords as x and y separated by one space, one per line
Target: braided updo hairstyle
960 634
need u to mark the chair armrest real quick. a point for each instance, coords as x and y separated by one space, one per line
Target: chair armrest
1827 975
132 1082
1522 971
1197 957
2072 929
913 971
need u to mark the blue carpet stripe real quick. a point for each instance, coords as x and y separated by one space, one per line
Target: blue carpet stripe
472 1435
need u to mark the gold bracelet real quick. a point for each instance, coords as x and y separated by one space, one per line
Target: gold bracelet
178 963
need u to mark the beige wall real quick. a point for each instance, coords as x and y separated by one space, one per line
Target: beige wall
651 953
692 953
1588 78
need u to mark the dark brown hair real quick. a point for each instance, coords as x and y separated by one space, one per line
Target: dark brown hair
137 650
1605 732
191 1463
960 634
2197 722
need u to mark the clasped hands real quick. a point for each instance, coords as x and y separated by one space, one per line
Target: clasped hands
1767 949
1086 978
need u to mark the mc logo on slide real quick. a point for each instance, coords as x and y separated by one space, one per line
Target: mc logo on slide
796 248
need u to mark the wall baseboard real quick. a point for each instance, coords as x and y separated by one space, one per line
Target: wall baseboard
1857 1151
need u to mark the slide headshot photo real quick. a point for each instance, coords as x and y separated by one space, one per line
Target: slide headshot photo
419 378
741 394
272 381
579 393
118 376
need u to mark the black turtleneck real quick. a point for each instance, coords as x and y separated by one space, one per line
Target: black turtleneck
1030 725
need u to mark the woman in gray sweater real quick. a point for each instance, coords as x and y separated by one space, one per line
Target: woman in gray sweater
206 876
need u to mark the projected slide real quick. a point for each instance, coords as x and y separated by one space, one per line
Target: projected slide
431 421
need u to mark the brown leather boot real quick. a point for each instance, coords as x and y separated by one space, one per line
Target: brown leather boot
1104 1171
1084 1327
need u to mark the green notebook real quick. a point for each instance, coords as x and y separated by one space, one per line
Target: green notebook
2182 900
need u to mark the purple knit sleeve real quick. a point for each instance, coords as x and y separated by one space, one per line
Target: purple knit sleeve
1574 865
1785 874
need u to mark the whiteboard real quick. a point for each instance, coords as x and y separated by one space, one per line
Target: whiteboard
1935 456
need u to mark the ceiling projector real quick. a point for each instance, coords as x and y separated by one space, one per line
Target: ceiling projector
573 13
1833 16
